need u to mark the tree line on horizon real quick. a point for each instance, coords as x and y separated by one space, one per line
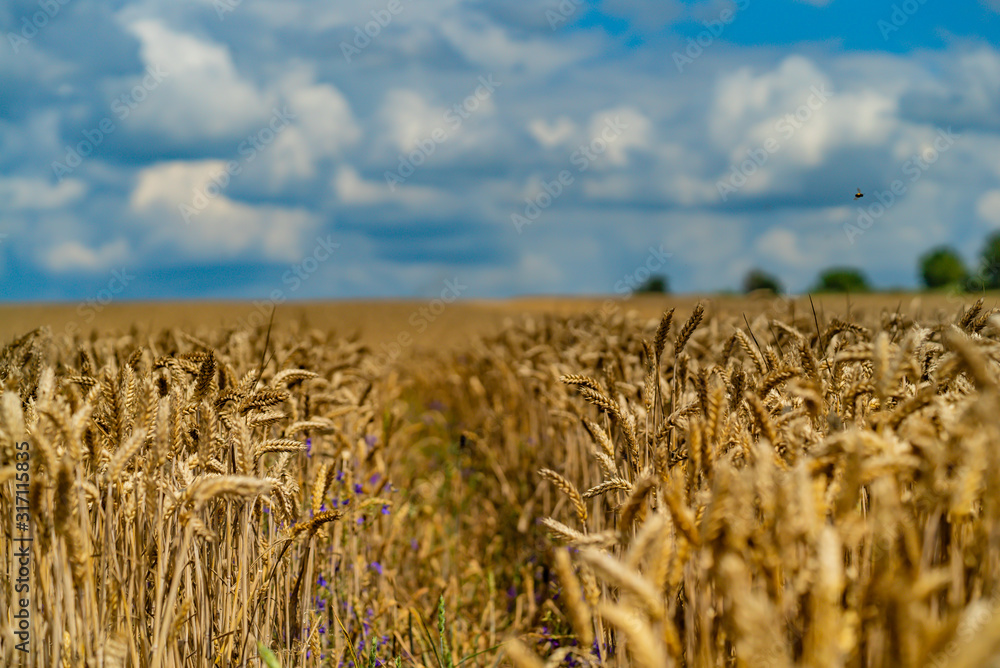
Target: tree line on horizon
940 268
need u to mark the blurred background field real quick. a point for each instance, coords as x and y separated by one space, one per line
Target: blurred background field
382 321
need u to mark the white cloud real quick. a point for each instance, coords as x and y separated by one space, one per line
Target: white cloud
351 189
623 128
492 49
783 246
222 227
21 193
201 96
535 270
322 113
552 134
323 127
75 256
173 183
797 107
988 208
409 125
794 118
407 118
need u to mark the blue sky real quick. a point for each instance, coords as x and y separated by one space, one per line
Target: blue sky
262 150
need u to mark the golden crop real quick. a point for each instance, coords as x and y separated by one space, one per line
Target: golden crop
596 489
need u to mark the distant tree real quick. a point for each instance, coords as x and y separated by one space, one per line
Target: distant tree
654 285
842 279
758 279
989 265
943 267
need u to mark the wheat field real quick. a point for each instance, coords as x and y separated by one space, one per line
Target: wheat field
731 483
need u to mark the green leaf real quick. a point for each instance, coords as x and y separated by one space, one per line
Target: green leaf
267 655
442 632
